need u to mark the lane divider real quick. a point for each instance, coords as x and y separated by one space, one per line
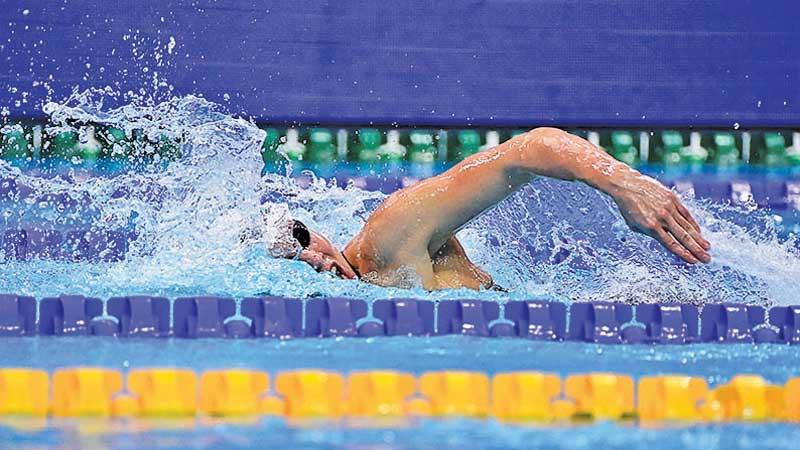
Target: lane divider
325 395
674 397
282 318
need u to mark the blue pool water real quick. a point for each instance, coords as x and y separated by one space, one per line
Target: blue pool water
450 434
716 363
552 239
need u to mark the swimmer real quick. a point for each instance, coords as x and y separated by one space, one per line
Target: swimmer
410 238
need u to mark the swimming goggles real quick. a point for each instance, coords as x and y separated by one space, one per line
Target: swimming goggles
301 234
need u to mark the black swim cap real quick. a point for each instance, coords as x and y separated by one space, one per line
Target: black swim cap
301 233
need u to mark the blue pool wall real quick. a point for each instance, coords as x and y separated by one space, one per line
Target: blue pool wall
492 62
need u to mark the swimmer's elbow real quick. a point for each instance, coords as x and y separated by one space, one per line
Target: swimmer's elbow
545 151
544 132
538 142
547 139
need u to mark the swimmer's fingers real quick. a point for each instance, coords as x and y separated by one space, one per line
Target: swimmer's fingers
688 237
669 241
687 215
695 231
684 212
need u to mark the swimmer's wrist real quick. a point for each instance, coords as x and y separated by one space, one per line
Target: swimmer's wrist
614 186
612 181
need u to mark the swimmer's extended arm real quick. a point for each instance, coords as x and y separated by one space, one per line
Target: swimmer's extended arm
429 212
647 206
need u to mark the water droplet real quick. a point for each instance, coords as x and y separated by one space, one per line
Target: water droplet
171 45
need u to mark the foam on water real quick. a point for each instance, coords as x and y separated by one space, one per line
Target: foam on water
552 238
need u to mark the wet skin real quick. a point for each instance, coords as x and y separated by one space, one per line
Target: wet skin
410 238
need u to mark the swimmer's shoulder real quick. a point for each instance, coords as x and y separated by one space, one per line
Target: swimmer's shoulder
377 252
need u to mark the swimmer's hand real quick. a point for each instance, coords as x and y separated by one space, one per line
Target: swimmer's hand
650 208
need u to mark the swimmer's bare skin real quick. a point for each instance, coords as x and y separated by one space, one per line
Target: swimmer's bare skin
414 229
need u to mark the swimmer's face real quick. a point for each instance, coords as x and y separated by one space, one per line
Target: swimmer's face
313 249
324 257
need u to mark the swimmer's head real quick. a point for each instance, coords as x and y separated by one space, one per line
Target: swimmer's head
315 250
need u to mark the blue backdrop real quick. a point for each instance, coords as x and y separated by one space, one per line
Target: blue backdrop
492 62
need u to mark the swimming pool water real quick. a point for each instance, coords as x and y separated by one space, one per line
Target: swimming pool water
715 362
552 239
425 434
